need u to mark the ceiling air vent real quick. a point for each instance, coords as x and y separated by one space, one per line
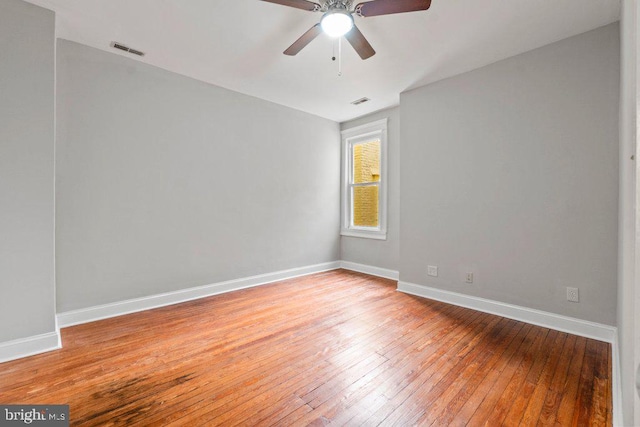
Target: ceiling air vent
360 101
126 48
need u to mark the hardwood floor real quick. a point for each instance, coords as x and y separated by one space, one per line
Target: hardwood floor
337 347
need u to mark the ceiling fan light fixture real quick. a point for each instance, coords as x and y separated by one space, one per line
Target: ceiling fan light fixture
336 23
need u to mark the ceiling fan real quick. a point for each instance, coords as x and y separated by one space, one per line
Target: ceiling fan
337 19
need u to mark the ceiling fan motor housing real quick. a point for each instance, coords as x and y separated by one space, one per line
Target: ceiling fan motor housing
330 5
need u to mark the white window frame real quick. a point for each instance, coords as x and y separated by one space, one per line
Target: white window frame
350 137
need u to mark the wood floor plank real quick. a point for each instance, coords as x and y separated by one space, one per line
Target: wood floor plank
564 414
448 398
338 348
488 387
466 401
554 393
251 377
541 386
397 388
365 401
584 404
503 404
523 396
412 400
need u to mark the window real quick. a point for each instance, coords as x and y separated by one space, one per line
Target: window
364 187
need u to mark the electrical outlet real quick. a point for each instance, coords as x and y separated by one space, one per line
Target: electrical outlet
469 278
573 294
432 270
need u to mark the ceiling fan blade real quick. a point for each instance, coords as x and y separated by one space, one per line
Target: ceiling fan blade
298 4
387 7
304 40
359 43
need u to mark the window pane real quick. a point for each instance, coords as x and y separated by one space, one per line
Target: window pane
365 206
366 162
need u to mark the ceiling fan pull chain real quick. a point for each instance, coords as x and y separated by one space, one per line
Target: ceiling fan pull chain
339 56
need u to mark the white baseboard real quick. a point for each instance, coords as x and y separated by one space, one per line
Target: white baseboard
91 314
545 319
24 347
369 269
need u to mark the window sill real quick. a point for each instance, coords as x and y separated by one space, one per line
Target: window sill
376 235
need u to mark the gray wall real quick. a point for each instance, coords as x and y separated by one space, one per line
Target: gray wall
27 101
381 253
164 182
510 171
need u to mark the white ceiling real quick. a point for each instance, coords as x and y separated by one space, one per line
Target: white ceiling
238 44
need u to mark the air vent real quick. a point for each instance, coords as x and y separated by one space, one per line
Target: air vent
126 48
360 101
